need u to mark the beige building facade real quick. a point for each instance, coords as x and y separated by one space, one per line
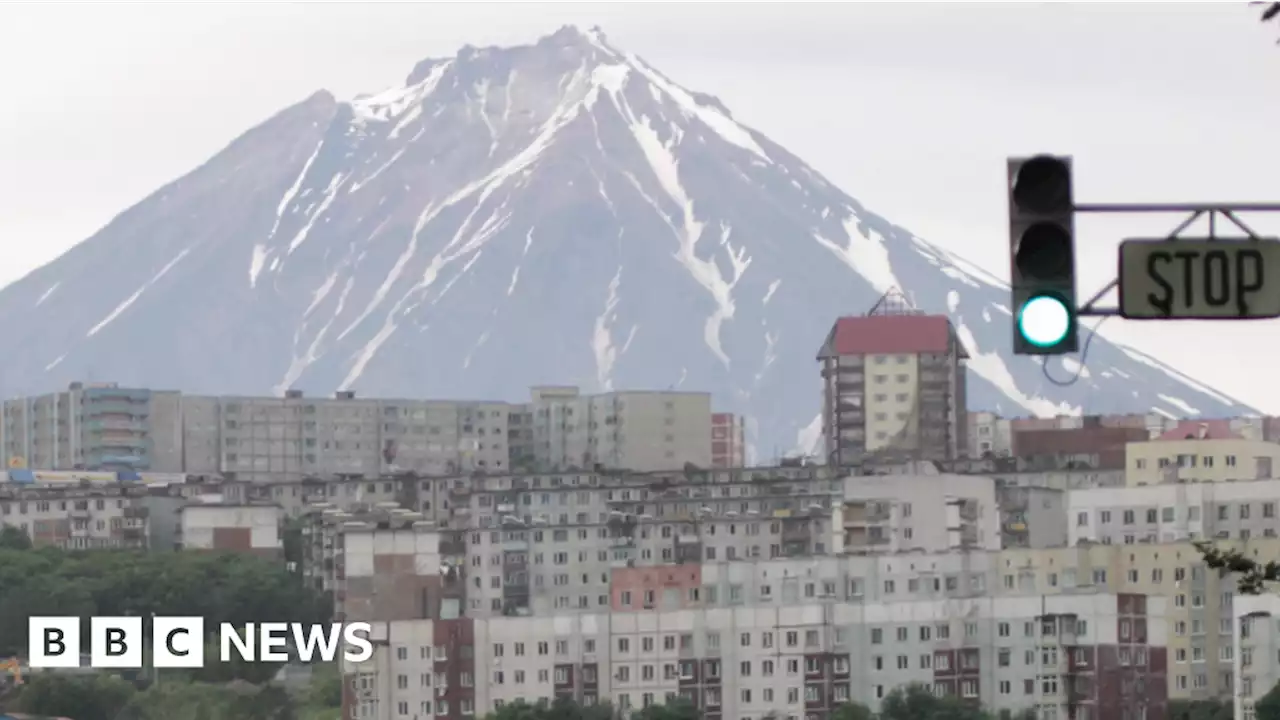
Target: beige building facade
1201 452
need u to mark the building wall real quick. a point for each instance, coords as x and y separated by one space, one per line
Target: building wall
1093 439
75 517
1205 461
728 441
897 513
988 433
239 528
1032 517
93 426
805 659
1172 512
891 401
273 439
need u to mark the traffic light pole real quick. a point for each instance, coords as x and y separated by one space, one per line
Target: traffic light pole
1193 211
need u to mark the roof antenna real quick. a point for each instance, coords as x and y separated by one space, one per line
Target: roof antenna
893 302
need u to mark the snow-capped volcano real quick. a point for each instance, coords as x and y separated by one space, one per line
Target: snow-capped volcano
553 213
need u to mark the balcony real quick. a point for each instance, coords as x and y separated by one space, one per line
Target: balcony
856 514
98 408
116 423
864 539
515 545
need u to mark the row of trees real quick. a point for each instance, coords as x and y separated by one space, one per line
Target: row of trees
1266 708
231 588
913 702
234 588
103 696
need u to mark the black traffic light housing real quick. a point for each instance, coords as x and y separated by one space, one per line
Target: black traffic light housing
1042 247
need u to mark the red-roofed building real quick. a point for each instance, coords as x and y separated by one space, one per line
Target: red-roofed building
1201 430
893 383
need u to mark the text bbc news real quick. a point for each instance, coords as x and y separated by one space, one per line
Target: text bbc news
179 642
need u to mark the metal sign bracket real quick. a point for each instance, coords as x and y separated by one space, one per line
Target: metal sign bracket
1193 212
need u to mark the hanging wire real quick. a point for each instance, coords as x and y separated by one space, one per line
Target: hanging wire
1080 365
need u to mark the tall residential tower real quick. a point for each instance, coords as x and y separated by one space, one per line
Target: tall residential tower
893 384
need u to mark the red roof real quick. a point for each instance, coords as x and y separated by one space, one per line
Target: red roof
1201 430
889 335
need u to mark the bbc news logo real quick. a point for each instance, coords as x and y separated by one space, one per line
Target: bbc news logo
179 642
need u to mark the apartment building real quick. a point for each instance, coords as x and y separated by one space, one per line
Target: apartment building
94 426
271 439
1256 631
1174 512
562 536
1040 471
1032 517
1200 604
1092 444
1200 451
562 429
510 568
233 527
728 441
926 512
893 383
265 439
76 517
988 435
381 564
1095 656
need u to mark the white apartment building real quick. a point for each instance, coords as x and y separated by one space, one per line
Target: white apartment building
561 428
231 526
750 662
1174 512
931 512
76 517
989 434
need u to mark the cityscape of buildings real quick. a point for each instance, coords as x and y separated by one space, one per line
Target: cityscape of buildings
623 547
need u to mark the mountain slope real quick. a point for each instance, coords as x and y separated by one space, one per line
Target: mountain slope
553 213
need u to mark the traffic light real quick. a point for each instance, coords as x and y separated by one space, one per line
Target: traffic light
1042 254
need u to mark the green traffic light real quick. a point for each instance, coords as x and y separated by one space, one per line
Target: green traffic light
1044 321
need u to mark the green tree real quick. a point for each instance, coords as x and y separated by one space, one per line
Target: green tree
100 696
680 709
1268 706
13 538
1200 710
852 711
917 702
234 588
325 688
183 700
560 709
291 538
1252 576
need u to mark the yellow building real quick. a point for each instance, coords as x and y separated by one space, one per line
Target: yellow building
1200 451
1199 642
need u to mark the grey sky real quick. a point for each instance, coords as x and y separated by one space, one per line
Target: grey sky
911 108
